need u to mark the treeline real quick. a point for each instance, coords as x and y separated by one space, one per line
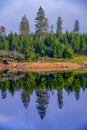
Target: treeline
44 43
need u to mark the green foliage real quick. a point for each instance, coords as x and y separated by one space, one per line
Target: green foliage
28 48
76 42
58 51
33 47
67 52
4 43
65 40
83 46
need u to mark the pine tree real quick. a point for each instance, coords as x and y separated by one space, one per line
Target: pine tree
41 22
24 26
76 27
59 28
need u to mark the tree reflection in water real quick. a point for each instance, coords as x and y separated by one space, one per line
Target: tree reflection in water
25 96
60 98
42 102
42 85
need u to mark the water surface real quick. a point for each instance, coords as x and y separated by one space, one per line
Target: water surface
32 101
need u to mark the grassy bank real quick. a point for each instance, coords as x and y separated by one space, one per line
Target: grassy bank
76 59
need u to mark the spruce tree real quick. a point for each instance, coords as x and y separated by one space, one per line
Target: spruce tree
41 22
76 27
59 28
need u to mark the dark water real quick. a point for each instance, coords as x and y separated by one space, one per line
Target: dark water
32 101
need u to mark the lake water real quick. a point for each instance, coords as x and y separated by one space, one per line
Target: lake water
32 101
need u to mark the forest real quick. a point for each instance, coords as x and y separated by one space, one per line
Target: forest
44 42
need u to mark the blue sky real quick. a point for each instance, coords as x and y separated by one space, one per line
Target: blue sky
11 12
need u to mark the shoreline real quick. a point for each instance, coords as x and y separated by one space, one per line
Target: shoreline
40 66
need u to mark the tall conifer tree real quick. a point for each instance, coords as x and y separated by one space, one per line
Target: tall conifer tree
76 27
41 22
59 28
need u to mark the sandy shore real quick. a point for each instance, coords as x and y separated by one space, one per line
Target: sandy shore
39 66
